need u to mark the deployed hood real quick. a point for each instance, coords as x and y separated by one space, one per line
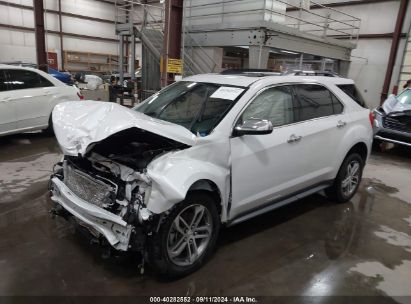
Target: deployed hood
77 124
392 104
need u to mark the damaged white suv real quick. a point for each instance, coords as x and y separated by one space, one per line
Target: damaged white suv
162 178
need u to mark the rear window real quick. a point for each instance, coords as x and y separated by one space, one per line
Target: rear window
352 91
315 101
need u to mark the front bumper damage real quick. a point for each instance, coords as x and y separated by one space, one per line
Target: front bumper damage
101 222
125 225
390 129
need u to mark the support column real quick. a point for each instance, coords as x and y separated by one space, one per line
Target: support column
343 67
61 37
40 35
258 57
172 36
121 59
133 56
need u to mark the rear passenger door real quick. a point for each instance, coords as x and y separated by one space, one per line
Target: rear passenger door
322 123
32 97
7 110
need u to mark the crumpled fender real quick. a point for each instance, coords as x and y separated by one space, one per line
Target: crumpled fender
172 176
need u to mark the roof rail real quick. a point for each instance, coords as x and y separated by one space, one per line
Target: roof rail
325 73
250 72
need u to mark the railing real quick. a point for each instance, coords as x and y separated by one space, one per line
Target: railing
146 16
139 14
322 21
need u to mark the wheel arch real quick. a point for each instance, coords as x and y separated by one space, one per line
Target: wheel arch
360 148
211 187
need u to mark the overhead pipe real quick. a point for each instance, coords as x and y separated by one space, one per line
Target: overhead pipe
394 49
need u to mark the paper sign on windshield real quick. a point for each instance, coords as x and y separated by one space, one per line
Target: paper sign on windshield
229 93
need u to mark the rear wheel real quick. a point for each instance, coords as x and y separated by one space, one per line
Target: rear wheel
348 179
49 130
187 237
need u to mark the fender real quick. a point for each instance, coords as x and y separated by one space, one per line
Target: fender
172 176
358 133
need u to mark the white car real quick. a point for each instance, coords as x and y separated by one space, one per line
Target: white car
27 98
213 149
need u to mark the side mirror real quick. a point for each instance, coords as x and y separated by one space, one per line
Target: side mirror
254 126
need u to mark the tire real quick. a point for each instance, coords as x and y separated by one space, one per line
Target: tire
49 130
342 191
164 248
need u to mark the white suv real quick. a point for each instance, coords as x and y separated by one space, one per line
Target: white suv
27 98
209 150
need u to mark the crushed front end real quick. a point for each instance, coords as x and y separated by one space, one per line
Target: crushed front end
106 190
394 127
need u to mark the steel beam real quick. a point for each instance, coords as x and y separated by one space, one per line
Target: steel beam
61 37
40 35
273 39
172 36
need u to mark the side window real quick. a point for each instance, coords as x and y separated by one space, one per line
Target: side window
23 79
3 81
338 107
315 101
352 91
274 104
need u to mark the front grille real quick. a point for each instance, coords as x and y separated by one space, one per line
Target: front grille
90 189
397 124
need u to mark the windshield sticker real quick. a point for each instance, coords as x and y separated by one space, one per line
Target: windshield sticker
229 93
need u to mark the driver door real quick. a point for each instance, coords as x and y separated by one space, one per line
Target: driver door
266 167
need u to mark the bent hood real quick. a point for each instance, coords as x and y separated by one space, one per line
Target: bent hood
77 124
392 104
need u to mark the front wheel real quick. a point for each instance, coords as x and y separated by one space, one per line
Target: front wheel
348 179
187 237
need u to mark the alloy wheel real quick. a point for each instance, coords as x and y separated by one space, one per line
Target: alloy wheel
351 179
189 235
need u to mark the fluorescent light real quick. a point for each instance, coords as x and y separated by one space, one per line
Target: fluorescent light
288 52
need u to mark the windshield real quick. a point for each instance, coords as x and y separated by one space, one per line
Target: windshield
405 97
197 106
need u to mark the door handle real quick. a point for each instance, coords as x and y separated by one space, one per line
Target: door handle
341 124
293 138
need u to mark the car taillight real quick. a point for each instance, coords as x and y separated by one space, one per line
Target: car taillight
80 96
371 116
